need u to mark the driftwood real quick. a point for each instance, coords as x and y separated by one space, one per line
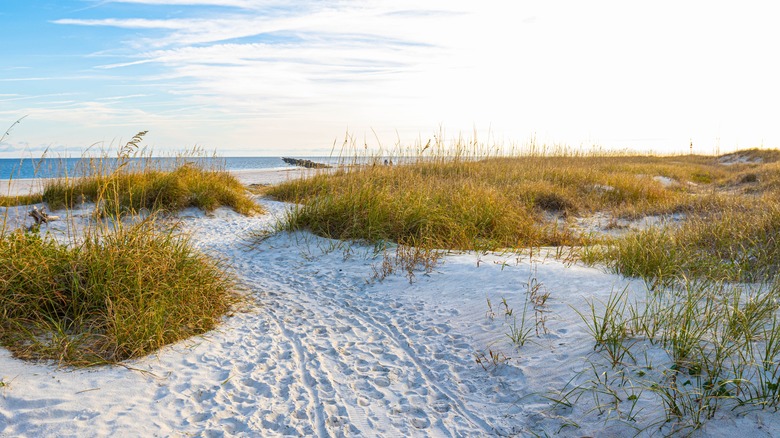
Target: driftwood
309 164
41 217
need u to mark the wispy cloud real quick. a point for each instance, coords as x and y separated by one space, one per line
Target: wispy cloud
128 96
131 23
295 73
306 54
348 23
245 4
16 97
248 66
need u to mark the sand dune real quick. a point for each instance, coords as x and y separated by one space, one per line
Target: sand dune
323 349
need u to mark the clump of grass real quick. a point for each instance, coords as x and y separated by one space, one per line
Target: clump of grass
381 204
468 197
408 259
695 347
536 296
479 204
134 181
609 328
113 297
9 201
491 359
130 190
115 290
739 243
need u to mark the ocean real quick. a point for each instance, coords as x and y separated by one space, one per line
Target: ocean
23 168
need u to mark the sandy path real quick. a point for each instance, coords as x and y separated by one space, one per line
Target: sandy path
341 361
315 352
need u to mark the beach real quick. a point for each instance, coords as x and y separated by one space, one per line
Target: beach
25 186
323 346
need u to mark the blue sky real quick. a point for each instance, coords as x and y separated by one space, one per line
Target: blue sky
270 77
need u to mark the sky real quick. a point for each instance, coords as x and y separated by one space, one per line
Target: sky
272 77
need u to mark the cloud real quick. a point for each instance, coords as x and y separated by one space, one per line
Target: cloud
305 55
244 4
131 23
427 13
349 23
16 97
328 62
125 97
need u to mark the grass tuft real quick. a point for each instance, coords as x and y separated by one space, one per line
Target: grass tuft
111 298
464 200
115 290
739 243
9 201
134 189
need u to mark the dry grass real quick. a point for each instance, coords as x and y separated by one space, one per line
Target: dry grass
128 190
499 202
115 290
113 297
739 242
9 201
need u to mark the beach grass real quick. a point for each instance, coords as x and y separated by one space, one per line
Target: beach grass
498 202
170 191
113 290
695 347
112 297
705 335
737 243
9 201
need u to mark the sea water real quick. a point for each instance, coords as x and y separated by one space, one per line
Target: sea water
23 168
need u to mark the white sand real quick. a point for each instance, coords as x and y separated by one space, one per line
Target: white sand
664 180
275 176
738 158
21 186
321 349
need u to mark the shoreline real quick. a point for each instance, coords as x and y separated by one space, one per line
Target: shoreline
27 186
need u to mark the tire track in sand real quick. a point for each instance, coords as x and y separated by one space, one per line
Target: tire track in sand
306 379
302 294
402 342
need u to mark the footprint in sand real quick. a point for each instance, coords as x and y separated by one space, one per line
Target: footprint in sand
421 423
379 368
441 406
382 382
246 367
400 408
367 390
300 414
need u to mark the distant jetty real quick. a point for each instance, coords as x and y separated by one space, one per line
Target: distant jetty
309 164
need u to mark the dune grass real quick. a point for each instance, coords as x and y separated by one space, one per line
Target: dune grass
498 202
737 243
130 189
113 290
694 347
113 297
9 201
696 343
